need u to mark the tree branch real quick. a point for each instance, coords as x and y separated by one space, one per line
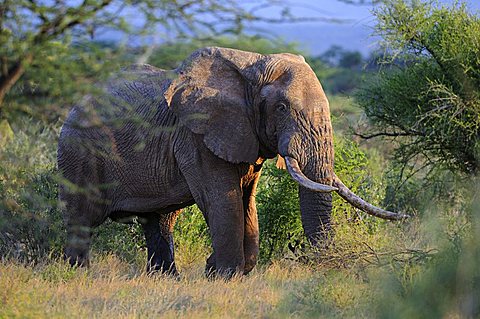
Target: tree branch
34 8
49 29
57 25
14 73
367 137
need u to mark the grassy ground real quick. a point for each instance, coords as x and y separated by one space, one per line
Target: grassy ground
339 284
358 276
113 288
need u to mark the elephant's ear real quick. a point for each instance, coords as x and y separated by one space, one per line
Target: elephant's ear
209 97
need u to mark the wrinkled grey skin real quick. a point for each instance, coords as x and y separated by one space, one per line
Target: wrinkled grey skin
155 141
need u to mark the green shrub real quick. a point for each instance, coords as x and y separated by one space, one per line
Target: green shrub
278 213
429 99
126 241
30 221
192 238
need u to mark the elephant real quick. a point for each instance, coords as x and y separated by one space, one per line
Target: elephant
150 142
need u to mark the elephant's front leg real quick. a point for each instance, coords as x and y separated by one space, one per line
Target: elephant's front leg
226 222
251 231
158 229
216 186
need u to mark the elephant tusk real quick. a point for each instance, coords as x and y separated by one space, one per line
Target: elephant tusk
298 176
359 203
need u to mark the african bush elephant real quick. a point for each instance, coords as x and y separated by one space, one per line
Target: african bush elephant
152 142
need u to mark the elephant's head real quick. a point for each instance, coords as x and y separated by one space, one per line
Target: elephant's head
249 105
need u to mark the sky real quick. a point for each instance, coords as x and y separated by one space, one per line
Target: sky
355 34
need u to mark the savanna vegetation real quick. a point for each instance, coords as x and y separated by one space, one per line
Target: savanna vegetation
407 138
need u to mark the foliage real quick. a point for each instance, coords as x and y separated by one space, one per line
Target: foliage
46 90
33 33
6 133
340 71
451 279
30 222
192 238
430 101
278 213
126 241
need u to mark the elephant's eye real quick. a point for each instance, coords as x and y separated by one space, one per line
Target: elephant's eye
282 106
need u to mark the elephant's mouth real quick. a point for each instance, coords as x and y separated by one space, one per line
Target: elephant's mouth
342 190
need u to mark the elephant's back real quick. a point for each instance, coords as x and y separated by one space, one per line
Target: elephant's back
121 108
140 84
126 128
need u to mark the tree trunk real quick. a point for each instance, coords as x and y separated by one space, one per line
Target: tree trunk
13 75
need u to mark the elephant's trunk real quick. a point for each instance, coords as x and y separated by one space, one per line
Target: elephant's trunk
315 197
316 209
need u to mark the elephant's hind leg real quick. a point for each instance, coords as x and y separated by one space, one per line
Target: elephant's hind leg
79 225
158 229
86 204
78 245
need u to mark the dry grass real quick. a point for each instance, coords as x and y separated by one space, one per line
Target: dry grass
360 274
335 285
113 288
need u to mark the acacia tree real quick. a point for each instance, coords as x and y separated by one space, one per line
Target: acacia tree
39 33
428 99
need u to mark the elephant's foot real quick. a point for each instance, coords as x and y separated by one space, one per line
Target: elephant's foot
77 257
78 245
213 273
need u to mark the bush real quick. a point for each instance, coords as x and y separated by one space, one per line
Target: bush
448 283
192 238
46 89
30 221
278 213
430 101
